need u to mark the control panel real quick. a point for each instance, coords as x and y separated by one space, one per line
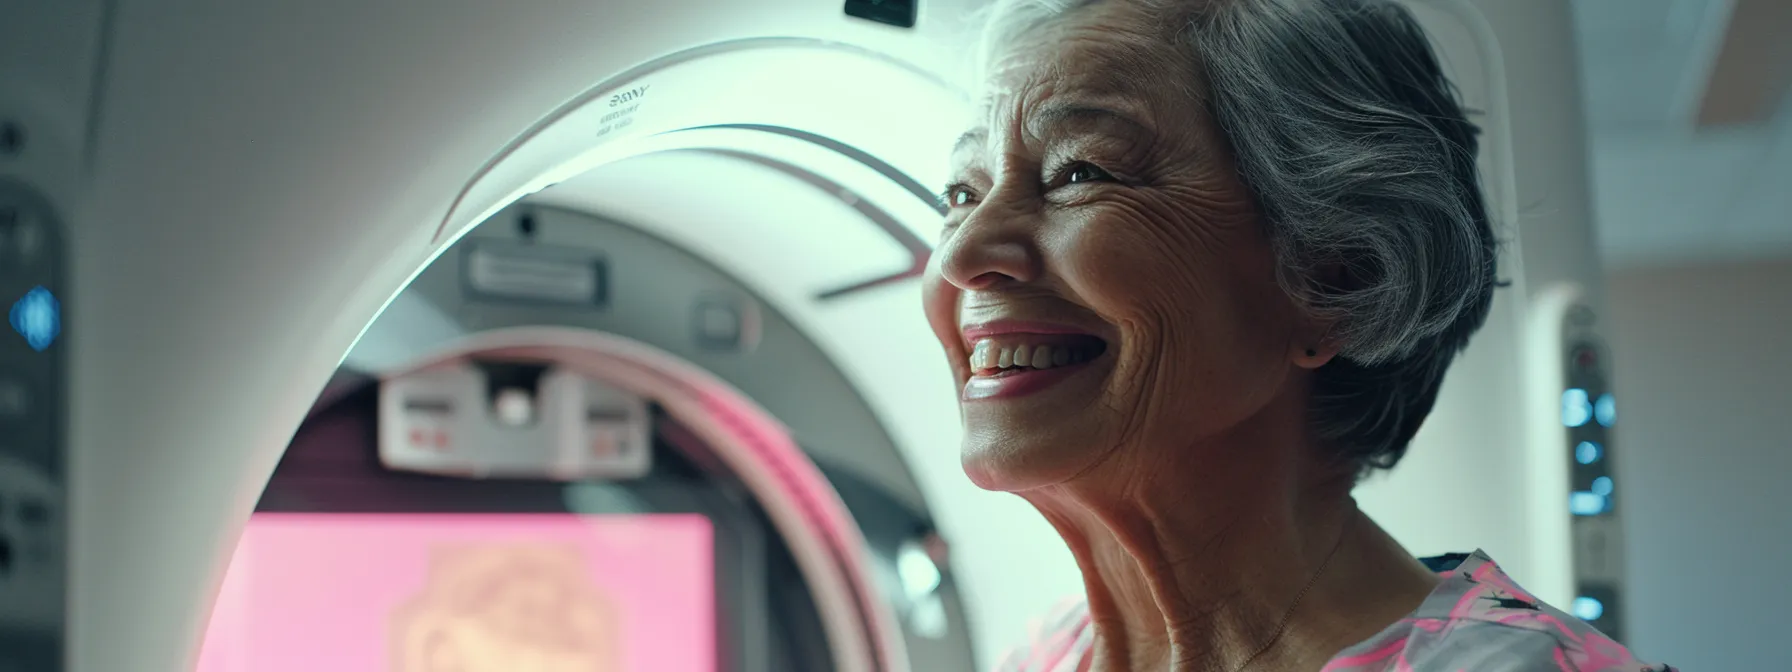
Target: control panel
507 419
1588 413
33 467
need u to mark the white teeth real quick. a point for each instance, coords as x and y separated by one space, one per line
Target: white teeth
982 357
986 355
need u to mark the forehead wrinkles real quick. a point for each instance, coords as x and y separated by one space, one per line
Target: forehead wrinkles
1103 63
1126 57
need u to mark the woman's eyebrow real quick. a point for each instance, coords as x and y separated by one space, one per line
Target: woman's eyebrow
1057 118
1062 118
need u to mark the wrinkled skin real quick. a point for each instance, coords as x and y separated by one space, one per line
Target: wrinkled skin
1210 530
1141 234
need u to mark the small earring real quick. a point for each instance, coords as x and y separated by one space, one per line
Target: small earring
1312 353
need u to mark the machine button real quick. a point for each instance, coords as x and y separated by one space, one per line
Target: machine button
604 443
27 241
15 398
37 316
1586 357
718 324
433 440
615 441
514 407
22 240
16 235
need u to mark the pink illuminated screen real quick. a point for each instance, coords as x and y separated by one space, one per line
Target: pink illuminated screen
467 593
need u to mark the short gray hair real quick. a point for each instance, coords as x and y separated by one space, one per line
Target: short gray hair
1362 160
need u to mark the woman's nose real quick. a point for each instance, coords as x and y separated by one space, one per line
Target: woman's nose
991 247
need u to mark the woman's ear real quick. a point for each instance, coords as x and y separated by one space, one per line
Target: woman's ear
1315 346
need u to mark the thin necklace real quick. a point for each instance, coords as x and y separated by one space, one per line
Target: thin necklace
1289 616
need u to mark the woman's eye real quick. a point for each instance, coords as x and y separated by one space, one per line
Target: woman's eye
957 196
1083 172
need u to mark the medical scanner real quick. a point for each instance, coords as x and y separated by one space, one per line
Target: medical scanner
347 335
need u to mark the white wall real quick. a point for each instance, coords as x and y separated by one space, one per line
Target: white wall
1703 365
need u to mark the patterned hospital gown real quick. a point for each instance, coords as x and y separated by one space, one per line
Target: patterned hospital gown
1477 619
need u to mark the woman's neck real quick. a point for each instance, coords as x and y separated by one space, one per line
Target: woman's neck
1228 563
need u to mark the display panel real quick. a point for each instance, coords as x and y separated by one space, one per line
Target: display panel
467 593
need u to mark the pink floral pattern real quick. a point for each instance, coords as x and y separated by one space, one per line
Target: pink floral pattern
1477 619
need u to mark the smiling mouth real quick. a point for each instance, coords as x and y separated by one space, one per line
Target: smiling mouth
1011 354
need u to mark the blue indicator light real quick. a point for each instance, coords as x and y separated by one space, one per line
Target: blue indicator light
37 317
1587 452
1602 486
1577 408
1588 609
1605 410
1585 503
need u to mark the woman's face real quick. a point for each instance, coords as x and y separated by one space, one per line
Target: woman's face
1095 215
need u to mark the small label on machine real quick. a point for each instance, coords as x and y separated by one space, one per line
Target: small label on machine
531 273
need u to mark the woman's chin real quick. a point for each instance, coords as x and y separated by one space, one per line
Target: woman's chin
982 475
1016 464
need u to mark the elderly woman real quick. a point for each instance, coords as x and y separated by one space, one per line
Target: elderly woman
1205 265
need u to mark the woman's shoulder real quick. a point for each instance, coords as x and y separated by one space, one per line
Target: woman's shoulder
1056 641
1478 618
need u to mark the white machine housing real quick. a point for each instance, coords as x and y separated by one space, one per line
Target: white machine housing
241 189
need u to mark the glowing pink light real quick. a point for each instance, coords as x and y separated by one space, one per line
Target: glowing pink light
309 592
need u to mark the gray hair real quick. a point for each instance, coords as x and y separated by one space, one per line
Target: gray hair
1362 160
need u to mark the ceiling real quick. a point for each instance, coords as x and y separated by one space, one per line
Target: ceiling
1669 190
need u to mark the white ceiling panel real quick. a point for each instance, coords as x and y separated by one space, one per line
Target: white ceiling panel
1666 192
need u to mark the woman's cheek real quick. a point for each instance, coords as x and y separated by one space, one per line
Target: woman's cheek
1125 260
